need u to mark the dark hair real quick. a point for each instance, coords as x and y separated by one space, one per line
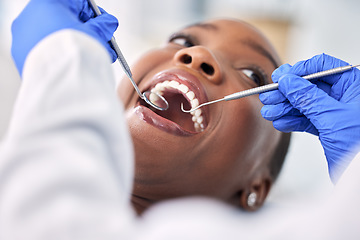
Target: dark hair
278 158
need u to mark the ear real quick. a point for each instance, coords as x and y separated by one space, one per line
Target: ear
259 190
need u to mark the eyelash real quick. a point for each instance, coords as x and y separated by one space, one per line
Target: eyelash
256 75
187 40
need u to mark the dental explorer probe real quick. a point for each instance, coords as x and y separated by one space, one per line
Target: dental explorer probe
148 97
270 87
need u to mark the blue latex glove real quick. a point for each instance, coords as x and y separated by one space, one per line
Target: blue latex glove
328 107
41 18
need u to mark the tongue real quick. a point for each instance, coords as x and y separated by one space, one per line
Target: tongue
174 112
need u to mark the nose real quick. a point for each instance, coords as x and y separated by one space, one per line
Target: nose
200 59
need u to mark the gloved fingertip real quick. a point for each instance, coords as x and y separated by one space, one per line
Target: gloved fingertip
272 97
279 71
266 113
104 26
111 52
263 112
290 85
280 126
113 56
263 98
110 20
288 78
102 10
283 68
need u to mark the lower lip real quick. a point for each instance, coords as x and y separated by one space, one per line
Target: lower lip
159 122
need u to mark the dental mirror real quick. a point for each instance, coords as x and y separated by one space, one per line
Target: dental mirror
155 100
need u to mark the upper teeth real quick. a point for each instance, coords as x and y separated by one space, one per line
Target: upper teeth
197 118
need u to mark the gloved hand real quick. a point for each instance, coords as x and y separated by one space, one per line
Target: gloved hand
328 107
41 18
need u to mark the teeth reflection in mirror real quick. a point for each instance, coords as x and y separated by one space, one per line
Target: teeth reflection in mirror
154 97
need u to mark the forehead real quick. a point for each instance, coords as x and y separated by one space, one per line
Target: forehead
234 36
234 30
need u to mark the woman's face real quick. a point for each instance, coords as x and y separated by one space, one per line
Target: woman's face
224 148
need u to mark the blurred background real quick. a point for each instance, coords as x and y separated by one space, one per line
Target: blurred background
298 29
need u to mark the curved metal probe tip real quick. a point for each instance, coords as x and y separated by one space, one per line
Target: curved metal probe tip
201 105
189 111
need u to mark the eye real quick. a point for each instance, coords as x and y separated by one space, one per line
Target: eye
182 40
256 77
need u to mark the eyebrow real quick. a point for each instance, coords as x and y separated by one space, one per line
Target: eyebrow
208 26
260 49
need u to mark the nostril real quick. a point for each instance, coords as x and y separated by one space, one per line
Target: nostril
208 69
186 59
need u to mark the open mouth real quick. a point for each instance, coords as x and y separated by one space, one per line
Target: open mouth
176 93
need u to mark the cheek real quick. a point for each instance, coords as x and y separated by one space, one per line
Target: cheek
149 63
259 134
244 134
243 125
228 156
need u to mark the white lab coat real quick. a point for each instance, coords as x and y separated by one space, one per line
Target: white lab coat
66 166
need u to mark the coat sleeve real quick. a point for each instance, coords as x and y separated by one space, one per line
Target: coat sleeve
66 164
